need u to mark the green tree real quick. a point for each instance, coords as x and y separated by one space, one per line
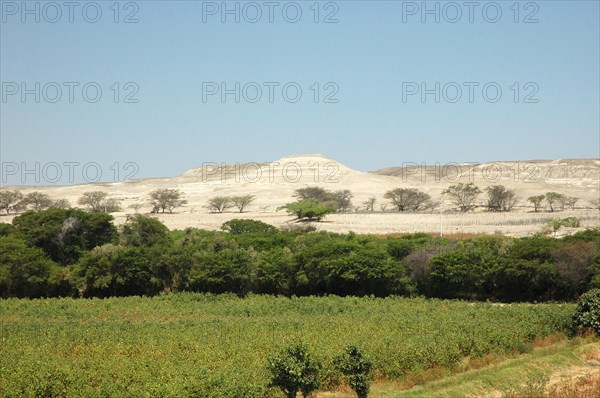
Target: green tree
536 201
293 370
463 195
64 234
587 313
241 202
237 227
112 270
166 199
308 209
24 271
356 369
552 198
407 198
10 201
140 230
317 194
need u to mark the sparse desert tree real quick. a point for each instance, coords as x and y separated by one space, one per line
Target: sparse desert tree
136 207
98 201
552 198
500 198
112 205
407 198
166 199
61 204
37 201
241 202
595 204
343 200
463 195
568 201
383 206
219 204
10 201
93 200
317 194
536 201
370 203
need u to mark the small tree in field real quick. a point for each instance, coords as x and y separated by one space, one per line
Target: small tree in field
595 204
343 200
308 209
93 200
370 204
61 204
356 369
568 201
407 198
500 198
166 199
241 202
463 195
10 201
552 198
219 204
295 370
37 201
536 201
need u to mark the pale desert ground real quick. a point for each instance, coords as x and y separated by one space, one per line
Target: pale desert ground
274 183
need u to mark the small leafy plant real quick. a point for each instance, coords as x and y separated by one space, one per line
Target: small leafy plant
356 369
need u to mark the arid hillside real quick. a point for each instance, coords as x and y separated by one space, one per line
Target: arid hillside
274 183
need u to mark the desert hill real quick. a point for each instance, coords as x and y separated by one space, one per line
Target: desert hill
273 184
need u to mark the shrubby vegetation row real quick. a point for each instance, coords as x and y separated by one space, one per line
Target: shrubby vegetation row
70 252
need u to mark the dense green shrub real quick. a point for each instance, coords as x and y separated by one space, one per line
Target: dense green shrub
24 271
65 234
308 209
238 226
294 369
140 230
356 369
587 313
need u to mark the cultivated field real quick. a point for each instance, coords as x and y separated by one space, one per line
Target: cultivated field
190 345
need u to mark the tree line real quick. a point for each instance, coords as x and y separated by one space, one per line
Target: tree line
311 203
71 252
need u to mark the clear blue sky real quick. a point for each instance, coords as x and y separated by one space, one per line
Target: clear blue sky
369 54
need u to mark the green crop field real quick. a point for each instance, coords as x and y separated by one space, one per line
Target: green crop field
194 345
